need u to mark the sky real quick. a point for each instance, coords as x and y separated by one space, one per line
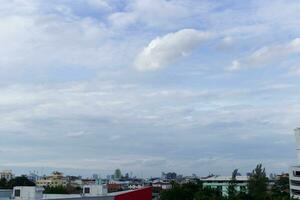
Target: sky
191 86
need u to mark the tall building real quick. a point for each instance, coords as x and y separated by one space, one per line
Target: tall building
295 170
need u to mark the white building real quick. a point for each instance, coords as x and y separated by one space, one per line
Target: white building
7 174
295 170
94 190
28 193
222 183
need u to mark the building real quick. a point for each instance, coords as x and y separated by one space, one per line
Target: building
159 185
27 193
6 174
295 170
35 193
74 181
169 175
33 176
94 190
221 183
54 180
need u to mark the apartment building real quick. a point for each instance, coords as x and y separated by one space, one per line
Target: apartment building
54 180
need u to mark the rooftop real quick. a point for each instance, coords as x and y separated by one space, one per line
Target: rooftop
225 178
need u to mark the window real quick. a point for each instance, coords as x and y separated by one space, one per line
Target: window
243 188
296 173
296 183
86 190
295 192
17 193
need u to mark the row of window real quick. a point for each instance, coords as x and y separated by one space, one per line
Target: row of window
242 188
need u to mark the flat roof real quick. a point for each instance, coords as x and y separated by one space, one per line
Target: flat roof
225 178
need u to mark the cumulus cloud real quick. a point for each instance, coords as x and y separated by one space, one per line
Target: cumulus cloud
267 54
165 50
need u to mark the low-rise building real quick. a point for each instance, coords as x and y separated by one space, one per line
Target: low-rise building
222 183
6 174
54 180
161 185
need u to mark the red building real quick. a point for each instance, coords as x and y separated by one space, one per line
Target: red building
139 194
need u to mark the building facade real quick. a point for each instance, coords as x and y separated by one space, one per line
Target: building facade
295 170
56 179
222 183
6 174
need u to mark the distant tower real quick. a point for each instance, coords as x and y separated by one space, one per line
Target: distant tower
295 170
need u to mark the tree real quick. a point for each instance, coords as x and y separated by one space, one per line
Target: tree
3 183
20 181
56 190
281 187
257 185
181 192
118 174
232 193
209 194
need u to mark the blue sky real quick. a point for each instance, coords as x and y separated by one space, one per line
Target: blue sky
149 85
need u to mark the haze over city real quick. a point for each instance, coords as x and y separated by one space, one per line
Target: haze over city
194 86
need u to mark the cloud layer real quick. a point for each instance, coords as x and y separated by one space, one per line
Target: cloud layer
71 85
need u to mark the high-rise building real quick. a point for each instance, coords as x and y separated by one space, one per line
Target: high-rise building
295 170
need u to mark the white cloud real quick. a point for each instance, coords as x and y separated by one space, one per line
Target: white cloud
165 50
99 3
267 54
294 71
77 134
122 19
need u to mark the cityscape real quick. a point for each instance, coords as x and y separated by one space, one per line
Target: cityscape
253 185
149 99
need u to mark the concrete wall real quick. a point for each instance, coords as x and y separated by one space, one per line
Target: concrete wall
5 194
87 198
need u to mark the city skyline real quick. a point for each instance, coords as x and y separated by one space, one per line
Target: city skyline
148 86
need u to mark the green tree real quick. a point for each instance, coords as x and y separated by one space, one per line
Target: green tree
181 192
209 194
20 181
118 174
232 192
281 187
3 183
257 185
56 190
